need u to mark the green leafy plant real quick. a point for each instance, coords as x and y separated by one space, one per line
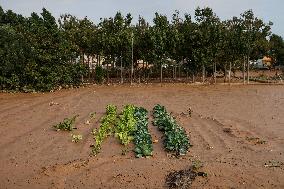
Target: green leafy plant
176 139
67 124
125 125
105 129
142 137
76 138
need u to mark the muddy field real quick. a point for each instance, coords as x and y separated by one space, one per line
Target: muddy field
237 135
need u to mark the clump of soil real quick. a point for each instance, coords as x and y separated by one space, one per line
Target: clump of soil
182 179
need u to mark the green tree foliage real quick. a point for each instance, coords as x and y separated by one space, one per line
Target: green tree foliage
159 37
206 37
14 55
38 53
34 54
255 32
277 49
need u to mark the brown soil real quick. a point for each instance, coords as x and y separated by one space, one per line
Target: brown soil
236 131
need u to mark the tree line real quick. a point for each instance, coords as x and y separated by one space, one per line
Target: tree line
41 53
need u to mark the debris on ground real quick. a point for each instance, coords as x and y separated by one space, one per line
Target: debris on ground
53 103
255 140
188 113
155 141
273 163
183 179
227 130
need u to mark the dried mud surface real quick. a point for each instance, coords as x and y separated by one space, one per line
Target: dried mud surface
236 132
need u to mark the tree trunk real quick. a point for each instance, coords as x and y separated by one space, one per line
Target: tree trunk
203 73
82 77
173 72
230 68
134 72
99 60
248 69
145 71
83 60
186 75
179 71
131 79
107 72
161 73
148 74
121 67
215 68
244 69
89 71
225 73
92 69
182 62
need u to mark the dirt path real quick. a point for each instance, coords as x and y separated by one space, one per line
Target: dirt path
234 131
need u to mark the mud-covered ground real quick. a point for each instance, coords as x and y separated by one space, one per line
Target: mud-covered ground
237 133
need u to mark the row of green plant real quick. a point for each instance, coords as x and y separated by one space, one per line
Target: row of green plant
132 124
142 137
175 137
105 129
125 125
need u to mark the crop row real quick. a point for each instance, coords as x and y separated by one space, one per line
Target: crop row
105 129
132 125
125 125
142 137
175 137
